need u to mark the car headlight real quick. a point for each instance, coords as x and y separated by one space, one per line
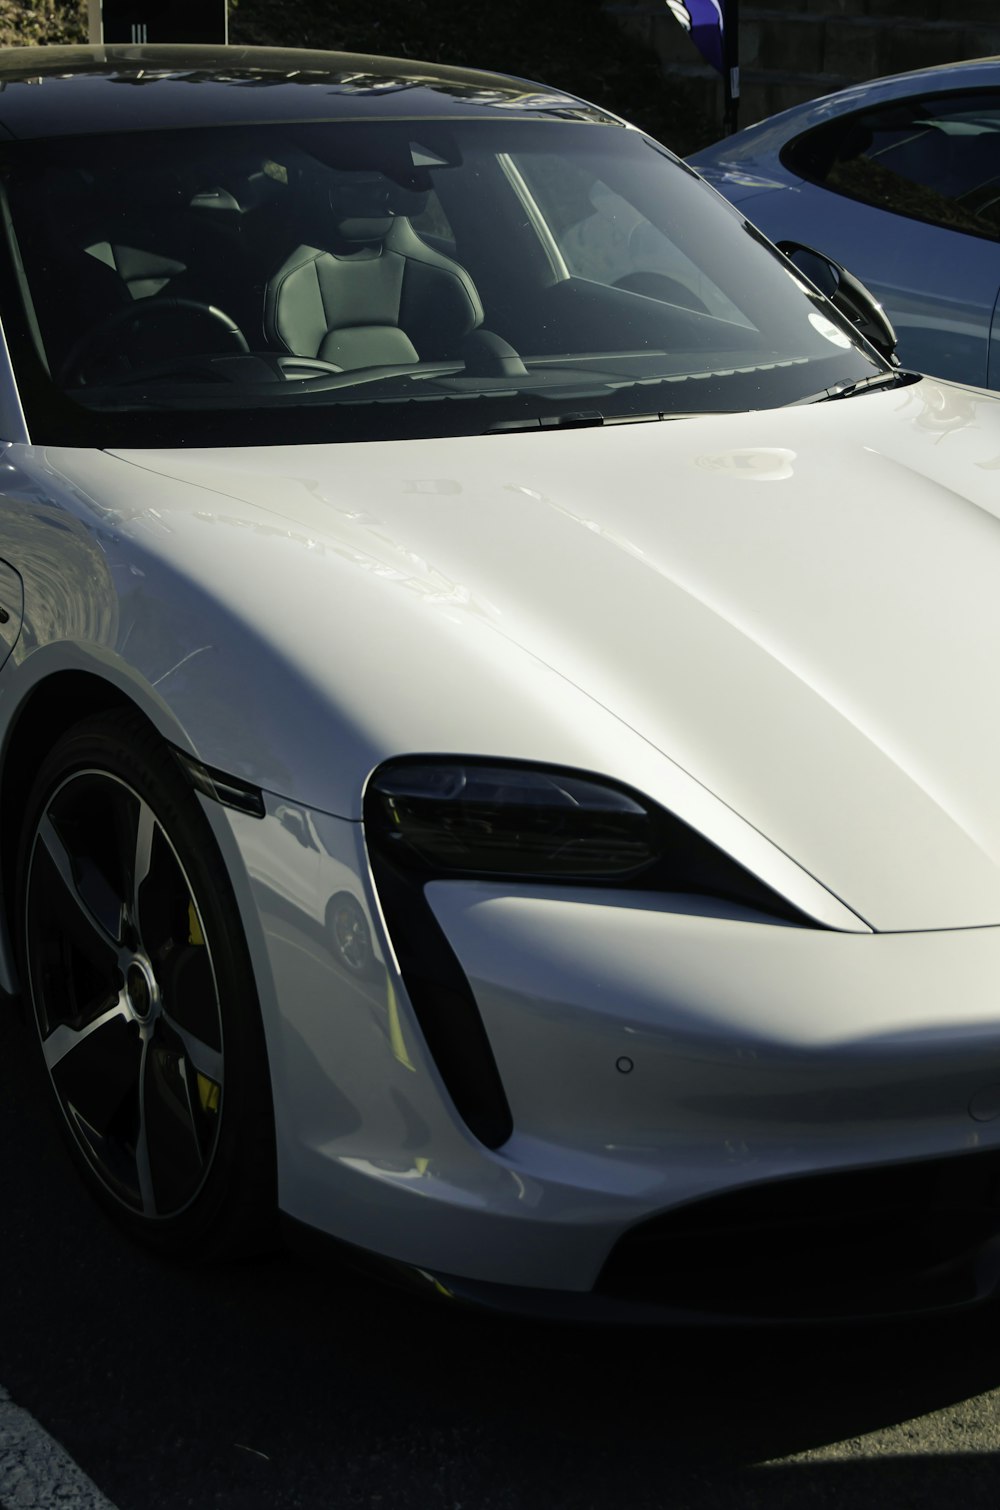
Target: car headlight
429 818
478 819
500 820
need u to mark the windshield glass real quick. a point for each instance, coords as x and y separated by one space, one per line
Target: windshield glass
359 280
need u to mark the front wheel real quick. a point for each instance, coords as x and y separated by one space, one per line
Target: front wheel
133 959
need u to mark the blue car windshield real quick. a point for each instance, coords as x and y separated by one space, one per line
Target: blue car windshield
360 280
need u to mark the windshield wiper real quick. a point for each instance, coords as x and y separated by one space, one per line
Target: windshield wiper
871 384
579 419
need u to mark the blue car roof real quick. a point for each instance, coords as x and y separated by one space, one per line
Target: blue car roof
767 137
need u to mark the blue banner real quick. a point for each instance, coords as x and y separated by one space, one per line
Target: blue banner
705 21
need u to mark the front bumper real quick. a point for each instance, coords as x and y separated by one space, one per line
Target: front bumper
660 1058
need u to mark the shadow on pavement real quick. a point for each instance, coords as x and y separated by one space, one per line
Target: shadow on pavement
286 1384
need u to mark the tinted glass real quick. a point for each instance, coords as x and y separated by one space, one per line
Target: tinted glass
932 159
377 280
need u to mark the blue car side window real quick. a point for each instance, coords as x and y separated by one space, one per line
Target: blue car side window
934 159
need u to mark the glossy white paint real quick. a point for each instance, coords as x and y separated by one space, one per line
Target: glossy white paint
11 609
155 599
757 1051
796 616
782 625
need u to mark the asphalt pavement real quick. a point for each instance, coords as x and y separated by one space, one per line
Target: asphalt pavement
35 1472
282 1383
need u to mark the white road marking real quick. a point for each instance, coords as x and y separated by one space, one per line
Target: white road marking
35 1472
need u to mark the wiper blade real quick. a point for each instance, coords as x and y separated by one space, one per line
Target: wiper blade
577 419
581 419
879 380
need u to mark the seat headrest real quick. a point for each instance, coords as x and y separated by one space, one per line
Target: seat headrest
364 205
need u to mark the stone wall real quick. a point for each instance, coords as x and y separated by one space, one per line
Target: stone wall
803 48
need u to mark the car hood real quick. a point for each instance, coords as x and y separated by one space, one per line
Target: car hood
800 608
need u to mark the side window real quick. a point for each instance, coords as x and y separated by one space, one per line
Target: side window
600 236
934 159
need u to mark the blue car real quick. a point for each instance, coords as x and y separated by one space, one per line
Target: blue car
899 179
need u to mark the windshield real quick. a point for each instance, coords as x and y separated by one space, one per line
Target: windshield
364 280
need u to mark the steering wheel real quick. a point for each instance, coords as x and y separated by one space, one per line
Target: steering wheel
133 316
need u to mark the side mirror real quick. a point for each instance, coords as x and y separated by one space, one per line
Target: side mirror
846 293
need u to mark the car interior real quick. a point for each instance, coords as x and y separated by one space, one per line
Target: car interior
295 272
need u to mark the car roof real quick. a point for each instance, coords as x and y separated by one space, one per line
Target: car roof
65 91
768 136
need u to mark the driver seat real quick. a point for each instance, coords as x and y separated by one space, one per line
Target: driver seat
382 297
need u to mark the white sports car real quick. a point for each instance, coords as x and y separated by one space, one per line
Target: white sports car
499 726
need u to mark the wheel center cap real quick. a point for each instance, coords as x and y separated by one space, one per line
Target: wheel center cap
139 990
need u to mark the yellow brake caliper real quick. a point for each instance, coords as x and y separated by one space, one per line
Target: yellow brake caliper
209 1093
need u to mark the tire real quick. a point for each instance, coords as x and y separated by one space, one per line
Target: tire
135 966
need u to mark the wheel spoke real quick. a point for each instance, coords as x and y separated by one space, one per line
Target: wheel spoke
142 854
190 1000
200 1055
161 897
97 1082
123 984
65 1038
106 933
177 1141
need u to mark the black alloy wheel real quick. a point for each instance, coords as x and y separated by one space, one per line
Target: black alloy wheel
135 965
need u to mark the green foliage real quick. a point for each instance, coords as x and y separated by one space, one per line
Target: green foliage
29 23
